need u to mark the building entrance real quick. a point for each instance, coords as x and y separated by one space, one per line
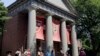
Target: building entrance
40 43
57 48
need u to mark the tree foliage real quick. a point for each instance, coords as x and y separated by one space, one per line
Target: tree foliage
3 17
88 24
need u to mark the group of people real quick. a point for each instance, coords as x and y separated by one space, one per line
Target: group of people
19 52
40 52
61 53
51 52
25 53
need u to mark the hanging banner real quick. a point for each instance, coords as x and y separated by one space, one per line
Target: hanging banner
39 30
56 32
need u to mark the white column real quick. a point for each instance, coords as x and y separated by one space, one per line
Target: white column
49 33
74 41
31 39
64 37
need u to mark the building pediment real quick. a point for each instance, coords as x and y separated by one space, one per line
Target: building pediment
62 4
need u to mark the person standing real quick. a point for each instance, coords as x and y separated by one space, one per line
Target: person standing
27 52
82 52
67 53
61 53
40 52
18 53
53 52
9 53
48 53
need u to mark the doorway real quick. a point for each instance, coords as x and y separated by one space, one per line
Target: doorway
57 48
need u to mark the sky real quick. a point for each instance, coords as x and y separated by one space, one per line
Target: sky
8 2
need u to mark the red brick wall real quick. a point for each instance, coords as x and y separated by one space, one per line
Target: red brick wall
15 34
22 29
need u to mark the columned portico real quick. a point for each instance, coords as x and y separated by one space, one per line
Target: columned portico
49 33
31 39
64 37
74 41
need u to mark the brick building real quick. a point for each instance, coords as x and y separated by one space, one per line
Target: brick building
46 23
